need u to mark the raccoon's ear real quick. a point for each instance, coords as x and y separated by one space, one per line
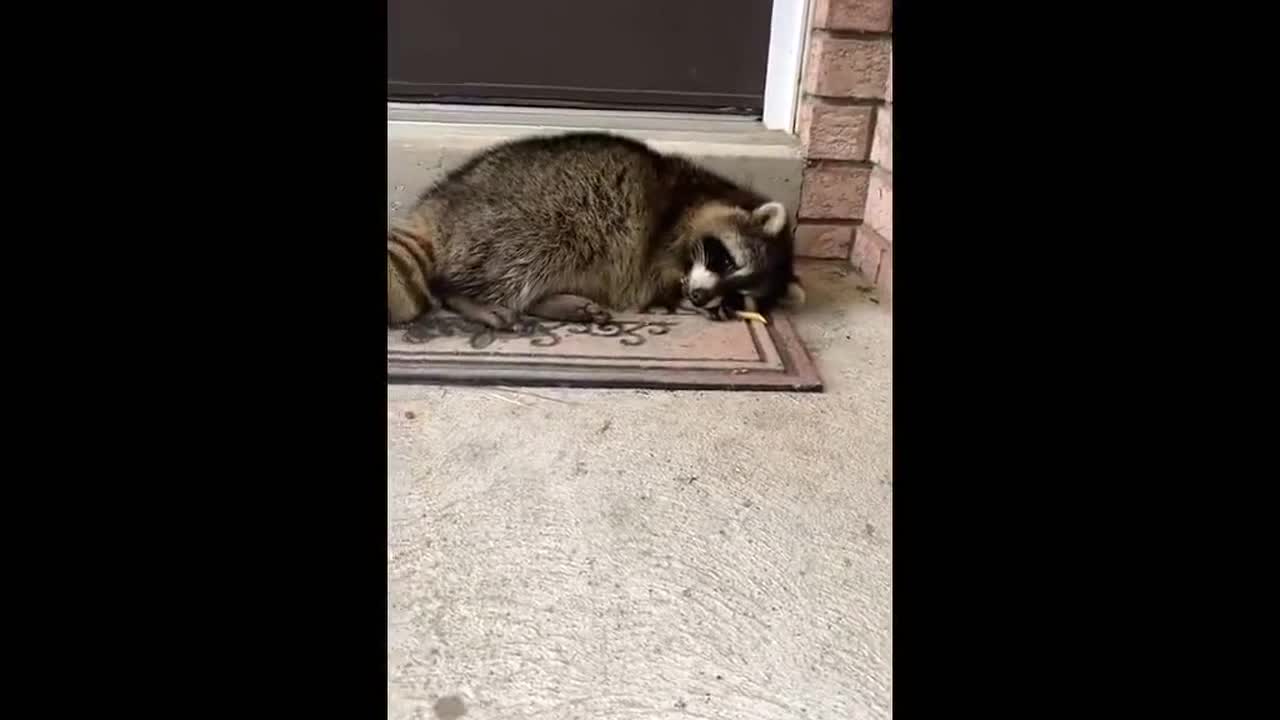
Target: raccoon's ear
795 296
772 217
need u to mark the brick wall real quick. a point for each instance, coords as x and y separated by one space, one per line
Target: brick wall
845 123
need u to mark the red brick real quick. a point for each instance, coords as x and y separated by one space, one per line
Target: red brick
882 141
847 67
819 240
868 15
878 214
868 252
834 192
834 132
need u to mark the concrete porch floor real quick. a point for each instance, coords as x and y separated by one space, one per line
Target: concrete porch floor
599 554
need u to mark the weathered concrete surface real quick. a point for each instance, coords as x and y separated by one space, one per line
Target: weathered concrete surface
587 554
425 143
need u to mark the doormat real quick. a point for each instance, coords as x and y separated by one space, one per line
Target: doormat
674 351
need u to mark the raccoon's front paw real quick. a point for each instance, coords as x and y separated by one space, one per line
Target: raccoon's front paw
596 314
720 313
728 308
572 308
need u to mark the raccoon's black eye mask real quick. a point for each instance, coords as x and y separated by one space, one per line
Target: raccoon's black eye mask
715 257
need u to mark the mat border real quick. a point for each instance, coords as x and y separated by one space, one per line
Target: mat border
799 374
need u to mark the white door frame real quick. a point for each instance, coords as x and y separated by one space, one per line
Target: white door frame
788 31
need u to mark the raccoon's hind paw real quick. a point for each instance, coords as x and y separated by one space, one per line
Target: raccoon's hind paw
494 316
498 317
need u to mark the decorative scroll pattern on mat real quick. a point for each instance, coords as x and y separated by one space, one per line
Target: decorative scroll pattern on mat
539 333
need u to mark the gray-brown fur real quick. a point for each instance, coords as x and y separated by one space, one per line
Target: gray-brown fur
574 225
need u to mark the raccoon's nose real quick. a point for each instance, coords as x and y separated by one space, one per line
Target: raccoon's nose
699 297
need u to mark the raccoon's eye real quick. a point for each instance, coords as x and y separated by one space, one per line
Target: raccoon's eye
715 256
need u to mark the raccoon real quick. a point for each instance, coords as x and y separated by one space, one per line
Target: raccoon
576 226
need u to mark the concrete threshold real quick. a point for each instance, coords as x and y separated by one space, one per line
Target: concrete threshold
426 141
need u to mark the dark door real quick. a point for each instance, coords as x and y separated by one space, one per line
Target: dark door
700 55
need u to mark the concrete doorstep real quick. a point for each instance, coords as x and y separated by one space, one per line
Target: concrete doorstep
426 141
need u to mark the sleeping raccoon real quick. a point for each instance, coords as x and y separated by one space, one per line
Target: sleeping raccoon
574 226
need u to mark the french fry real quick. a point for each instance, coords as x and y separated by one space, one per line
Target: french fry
748 315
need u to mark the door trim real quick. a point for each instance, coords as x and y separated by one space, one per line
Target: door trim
788 30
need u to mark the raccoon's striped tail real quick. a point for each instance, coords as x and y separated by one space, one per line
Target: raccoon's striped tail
410 268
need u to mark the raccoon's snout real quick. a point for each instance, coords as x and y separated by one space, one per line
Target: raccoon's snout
699 297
